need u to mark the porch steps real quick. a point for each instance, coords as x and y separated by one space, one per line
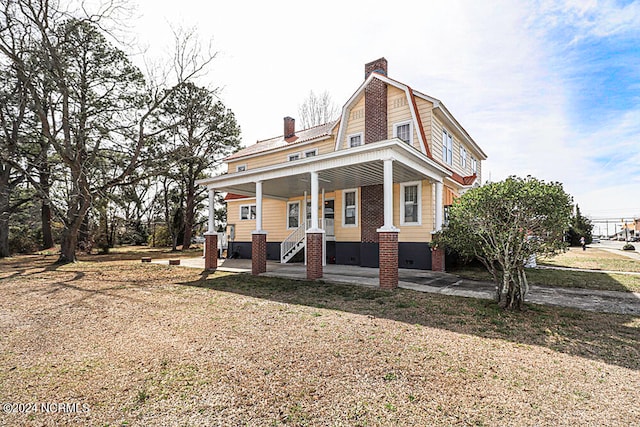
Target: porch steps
292 252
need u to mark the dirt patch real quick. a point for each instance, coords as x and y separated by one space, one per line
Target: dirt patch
142 344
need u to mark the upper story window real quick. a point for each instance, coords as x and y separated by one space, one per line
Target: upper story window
247 212
410 205
293 157
404 132
474 165
293 214
350 208
311 153
355 140
447 147
241 168
463 157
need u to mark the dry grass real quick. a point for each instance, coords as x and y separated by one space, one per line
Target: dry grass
563 278
158 345
593 259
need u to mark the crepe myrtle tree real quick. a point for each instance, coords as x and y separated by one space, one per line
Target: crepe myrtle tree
503 224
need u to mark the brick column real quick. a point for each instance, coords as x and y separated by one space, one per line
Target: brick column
314 255
258 253
388 259
210 251
437 259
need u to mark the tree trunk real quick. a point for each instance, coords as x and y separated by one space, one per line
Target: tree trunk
77 210
189 215
47 234
4 216
45 213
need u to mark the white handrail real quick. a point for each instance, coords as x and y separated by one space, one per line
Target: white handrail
295 238
292 241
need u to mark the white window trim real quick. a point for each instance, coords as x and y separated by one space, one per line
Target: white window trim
474 165
297 202
344 207
240 212
360 134
444 148
315 151
463 157
242 166
410 184
289 157
395 130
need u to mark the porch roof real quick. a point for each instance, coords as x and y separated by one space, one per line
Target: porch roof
342 169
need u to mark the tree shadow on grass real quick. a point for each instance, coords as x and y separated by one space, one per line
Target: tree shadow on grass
610 338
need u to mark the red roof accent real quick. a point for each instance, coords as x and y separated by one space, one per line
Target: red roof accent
420 128
280 142
463 180
231 196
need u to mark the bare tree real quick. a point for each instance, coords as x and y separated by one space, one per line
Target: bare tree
102 122
317 110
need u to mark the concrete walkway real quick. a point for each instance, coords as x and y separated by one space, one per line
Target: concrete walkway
441 283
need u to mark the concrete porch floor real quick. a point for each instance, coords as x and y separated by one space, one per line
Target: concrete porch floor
440 283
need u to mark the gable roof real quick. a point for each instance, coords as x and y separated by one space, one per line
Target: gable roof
301 136
424 148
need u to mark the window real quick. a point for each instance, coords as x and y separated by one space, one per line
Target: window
350 209
355 140
447 147
403 131
311 153
446 215
293 214
241 168
410 204
474 165
463 157
293 157
247 212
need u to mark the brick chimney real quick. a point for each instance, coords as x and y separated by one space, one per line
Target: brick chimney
379 66
375 129
375 103
289 127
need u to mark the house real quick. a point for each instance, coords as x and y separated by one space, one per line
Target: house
369 189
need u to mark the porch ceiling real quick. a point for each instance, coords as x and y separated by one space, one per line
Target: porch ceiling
338 178
356 167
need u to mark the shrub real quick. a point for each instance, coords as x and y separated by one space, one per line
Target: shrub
628 247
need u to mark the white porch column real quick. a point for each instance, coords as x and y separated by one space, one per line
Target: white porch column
388 196
314 200
259 206
439 207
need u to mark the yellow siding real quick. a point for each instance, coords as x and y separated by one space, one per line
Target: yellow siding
346 234
398 111
273 219
282 156
424 110
415 233
355 123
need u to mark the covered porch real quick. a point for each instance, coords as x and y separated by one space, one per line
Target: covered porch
378 164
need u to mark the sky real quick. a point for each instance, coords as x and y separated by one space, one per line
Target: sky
546 88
